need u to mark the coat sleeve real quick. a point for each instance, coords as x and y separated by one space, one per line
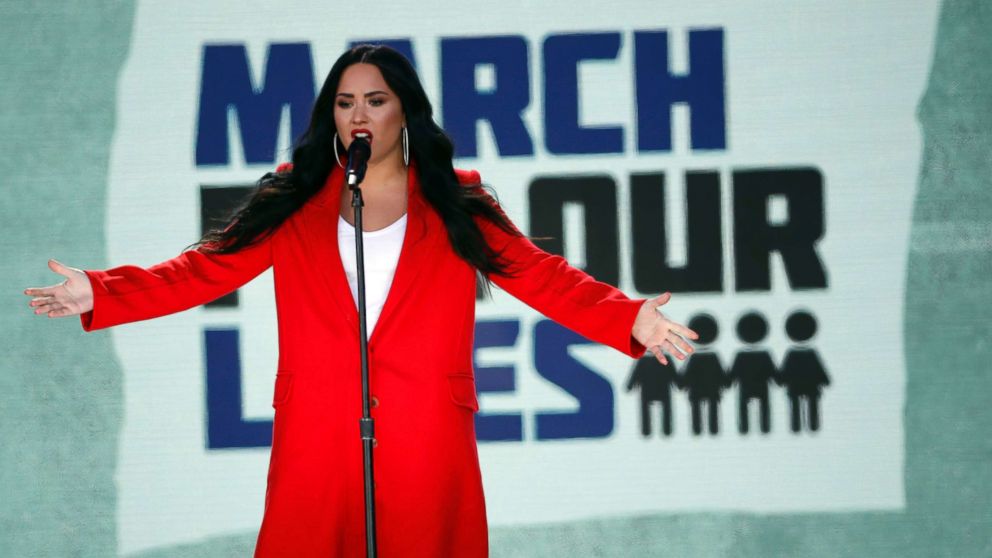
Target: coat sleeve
569 296
130 293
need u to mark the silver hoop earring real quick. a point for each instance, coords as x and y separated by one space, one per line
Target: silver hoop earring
337 157
406 147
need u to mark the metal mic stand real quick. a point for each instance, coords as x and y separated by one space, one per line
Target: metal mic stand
366 424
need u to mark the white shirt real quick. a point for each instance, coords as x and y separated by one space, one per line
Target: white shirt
382 252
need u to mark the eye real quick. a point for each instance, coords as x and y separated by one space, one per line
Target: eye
344 104
377 101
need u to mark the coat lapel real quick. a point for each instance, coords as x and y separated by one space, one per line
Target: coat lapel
321 218
423 231
421 237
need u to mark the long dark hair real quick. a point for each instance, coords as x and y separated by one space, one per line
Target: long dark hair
278 194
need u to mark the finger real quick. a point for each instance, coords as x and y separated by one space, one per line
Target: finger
40 291
680 343
670 349
48 305
61 312
60 268
682 330
46 308
658 354
661 300
57 310
41 300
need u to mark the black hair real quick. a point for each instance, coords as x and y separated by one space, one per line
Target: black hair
278 195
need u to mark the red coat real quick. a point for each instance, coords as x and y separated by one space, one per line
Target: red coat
429 497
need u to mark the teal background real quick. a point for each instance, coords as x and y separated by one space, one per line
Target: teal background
61 393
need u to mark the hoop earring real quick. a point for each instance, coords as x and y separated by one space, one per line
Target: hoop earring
406 148
337 157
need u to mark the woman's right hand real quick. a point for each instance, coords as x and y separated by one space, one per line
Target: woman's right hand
71 297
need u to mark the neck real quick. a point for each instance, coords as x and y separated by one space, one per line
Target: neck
385 173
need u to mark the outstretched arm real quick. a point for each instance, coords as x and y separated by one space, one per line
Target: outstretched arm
105 298
571 297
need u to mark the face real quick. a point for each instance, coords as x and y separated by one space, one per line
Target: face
364 103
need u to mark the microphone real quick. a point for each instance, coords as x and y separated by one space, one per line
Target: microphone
358 158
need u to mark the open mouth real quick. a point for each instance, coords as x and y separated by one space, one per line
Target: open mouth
365 134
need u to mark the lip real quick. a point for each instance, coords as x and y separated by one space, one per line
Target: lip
355 132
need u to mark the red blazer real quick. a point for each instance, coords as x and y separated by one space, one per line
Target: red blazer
429 494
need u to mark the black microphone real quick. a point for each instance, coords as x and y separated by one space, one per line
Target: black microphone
358 159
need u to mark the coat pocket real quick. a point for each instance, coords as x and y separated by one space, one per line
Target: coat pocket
283 388
462 388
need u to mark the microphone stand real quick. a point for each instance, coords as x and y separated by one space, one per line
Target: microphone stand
366 424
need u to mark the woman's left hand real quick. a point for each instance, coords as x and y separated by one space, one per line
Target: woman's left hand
659 334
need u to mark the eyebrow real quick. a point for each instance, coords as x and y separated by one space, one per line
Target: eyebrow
369 94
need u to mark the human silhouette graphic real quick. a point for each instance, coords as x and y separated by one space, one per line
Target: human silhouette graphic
655 380
802 372
703 376
753 370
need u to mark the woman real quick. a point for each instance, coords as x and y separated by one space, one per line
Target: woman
436 228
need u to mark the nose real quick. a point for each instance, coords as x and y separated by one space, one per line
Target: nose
358 116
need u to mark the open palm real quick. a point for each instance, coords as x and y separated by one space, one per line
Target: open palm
71 297
659 334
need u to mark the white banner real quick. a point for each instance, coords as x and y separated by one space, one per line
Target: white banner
761 171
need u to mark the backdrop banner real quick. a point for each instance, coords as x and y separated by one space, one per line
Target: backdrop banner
761 171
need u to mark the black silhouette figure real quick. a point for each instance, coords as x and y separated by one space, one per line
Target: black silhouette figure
703 376
753 370
802 372
655 380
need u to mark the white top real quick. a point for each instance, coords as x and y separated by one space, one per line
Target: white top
382 252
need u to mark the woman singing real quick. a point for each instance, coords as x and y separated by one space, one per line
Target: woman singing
428 229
